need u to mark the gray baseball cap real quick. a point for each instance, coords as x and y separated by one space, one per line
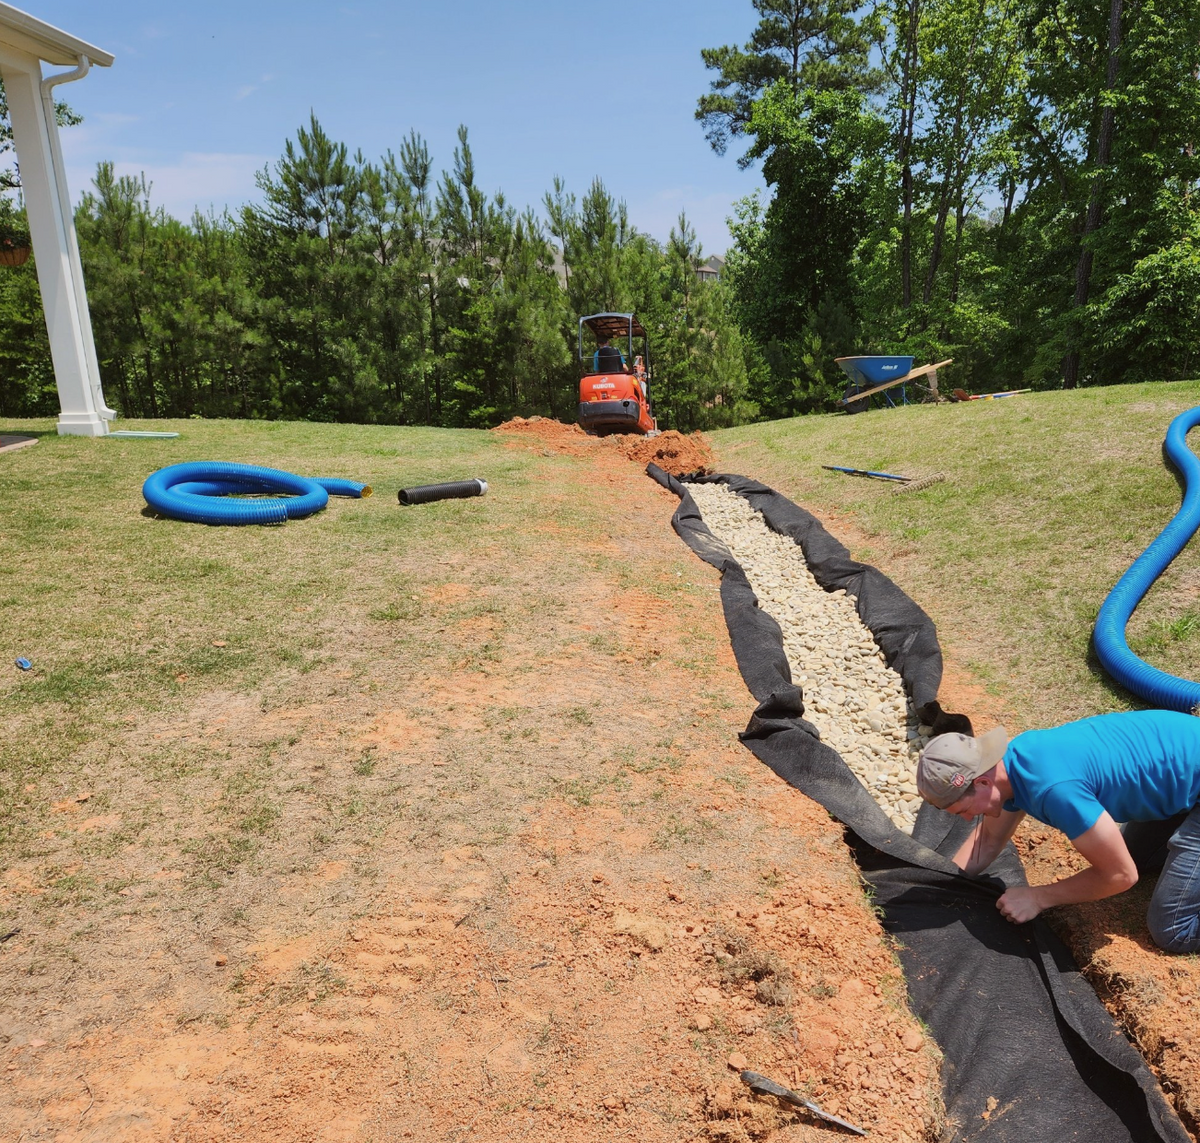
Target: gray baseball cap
951 762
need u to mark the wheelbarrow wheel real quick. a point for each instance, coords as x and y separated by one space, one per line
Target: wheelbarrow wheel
854 406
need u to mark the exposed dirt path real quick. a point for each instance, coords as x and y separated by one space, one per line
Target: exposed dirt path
674 452
587 907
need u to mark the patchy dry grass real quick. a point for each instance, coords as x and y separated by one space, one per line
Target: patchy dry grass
125 615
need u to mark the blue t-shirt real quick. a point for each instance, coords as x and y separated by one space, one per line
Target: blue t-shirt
607 357
1140 766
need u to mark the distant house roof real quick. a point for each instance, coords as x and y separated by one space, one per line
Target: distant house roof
711 269
26 33
560 266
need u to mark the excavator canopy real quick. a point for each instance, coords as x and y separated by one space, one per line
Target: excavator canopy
614 325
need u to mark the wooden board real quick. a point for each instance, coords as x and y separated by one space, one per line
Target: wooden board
912 375
962 395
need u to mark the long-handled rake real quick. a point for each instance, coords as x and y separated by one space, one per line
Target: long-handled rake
903 483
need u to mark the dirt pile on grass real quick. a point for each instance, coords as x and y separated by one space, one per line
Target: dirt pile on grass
676 453
545 429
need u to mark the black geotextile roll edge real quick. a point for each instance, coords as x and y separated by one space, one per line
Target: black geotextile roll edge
1015 1020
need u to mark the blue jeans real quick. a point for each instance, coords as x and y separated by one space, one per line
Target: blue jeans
1174 914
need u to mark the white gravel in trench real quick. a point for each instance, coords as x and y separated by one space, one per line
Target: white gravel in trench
851 695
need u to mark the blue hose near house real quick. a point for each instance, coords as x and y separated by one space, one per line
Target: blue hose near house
1145 681
209 492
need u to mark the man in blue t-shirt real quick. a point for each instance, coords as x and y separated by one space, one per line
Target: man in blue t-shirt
1140 768
607 358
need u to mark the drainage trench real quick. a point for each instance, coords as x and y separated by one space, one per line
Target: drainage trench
856 701
1029 1051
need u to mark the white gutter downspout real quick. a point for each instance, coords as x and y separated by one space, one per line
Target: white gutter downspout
68 224
51 81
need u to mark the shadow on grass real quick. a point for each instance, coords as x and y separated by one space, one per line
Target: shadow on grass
1126 700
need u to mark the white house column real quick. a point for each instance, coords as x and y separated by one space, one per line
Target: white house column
64 198
52 228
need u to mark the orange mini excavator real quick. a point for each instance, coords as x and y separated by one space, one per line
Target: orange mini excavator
614 393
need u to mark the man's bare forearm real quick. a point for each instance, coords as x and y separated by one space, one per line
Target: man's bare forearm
978 851
1110 871
986 842
1090 884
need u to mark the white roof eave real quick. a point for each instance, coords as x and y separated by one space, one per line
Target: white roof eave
27 34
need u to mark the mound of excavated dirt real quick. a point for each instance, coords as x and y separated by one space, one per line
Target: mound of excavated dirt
543 428
676 453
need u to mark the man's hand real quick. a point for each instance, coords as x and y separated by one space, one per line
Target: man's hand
1111 870
1020 904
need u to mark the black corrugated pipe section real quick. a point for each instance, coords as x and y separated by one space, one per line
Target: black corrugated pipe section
1006 1003
455 490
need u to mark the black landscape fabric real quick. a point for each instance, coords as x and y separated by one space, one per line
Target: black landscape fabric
1015 1020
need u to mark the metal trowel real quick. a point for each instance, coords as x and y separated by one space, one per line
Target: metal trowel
760 1085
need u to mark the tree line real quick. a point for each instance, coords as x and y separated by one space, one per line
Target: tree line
1010 183
375 292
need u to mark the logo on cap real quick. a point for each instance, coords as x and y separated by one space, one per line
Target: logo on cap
958 780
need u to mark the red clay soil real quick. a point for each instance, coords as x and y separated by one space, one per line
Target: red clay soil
673 452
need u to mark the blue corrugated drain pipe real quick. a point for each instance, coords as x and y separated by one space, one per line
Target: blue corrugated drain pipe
197 490
1147 682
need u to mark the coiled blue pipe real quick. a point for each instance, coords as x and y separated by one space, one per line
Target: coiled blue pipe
1145 681
196 491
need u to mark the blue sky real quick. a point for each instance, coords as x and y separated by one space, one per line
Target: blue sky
202 95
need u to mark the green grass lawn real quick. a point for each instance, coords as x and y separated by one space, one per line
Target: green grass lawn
1048 499
123 614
